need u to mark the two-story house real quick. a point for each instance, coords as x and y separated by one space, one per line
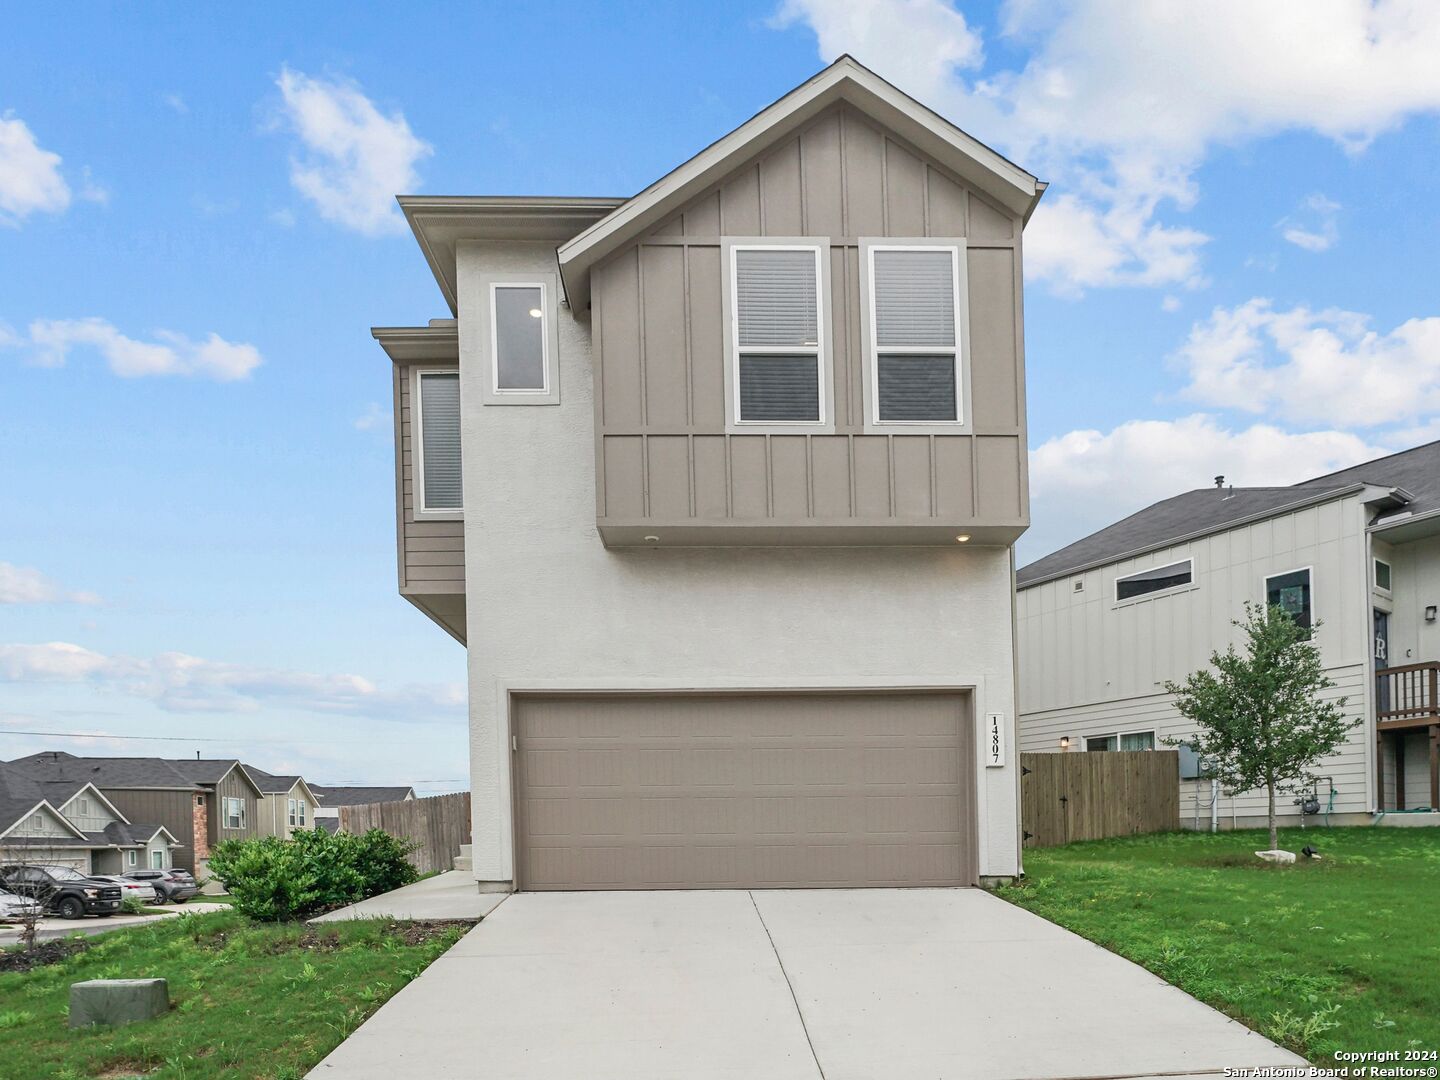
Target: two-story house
72 823
199 802
718 485
1107 620
287 804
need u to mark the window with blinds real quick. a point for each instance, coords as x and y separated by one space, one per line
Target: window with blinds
438 422
915 336
777 326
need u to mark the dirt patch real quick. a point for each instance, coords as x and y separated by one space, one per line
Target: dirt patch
44 952
127 1069
422 933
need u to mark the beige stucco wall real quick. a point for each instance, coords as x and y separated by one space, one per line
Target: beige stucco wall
549 606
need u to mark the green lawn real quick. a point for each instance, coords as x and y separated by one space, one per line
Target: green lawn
1340 953
248 1000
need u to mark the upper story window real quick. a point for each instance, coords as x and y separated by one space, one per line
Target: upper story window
234 813
1290 592
291 809
1155 580
778 363
436 448
1382 575
915 351
518 328
82 806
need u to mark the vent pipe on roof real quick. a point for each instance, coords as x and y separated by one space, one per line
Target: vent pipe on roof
1220 481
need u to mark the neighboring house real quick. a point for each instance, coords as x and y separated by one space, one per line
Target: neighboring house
728 474
70 823
286 804
199 802
1106 621
331 798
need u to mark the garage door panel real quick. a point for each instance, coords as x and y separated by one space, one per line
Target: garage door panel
726 791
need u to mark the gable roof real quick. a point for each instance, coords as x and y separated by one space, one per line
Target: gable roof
359 796
104 772
844 80
270 784
130 834
20 797
64 792
212 771
1414 476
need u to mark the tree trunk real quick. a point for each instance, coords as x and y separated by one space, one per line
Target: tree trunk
1274 840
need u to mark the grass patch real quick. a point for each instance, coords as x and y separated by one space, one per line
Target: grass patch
1339 953
248 1000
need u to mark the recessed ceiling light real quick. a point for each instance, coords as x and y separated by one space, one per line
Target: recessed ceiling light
535 313
652 539
963 538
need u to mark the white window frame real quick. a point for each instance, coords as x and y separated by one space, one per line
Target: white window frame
239 813
132 857
82 806
418 509
1375 563
550 303
301 805
958 249
1171 591
1314 591
1117 735
290 813
157 859
820 246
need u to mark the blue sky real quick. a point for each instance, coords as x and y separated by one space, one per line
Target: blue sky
1233 272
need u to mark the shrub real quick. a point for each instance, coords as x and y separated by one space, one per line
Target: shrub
271 879
132 905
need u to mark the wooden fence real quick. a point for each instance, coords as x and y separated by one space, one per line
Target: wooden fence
439 825
1087 796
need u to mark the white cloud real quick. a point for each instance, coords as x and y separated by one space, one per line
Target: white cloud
355 159
1095 107
373 418
30 177
26 585
1313 227
1085 480
1313 366
176 102
178 682
171 353
1170 304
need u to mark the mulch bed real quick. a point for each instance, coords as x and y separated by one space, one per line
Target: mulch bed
44 952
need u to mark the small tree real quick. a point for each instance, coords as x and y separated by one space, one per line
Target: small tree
1260 718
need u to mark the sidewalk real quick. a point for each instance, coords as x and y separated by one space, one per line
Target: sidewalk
52 927
451 895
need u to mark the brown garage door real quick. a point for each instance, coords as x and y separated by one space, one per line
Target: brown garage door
744 790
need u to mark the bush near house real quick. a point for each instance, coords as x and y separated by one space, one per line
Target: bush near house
270 879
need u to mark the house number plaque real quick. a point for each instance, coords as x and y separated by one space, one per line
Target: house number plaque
994 740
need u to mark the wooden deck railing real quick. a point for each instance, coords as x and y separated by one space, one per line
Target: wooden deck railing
1407 696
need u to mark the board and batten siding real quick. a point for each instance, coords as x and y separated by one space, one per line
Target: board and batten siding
94 821
432 553
233 786
1092 666
173 808
658 331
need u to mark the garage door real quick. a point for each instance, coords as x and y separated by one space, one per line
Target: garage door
744 790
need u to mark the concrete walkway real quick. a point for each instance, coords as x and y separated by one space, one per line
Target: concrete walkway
819 985
52 927
451 895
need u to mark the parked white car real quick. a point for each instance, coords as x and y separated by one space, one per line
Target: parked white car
17 907
140 890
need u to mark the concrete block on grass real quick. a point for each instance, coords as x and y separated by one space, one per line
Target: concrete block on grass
116 1002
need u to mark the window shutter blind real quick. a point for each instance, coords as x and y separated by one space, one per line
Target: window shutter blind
779 388
440 440
914 298
775 293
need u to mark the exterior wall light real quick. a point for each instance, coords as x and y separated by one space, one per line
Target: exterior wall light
1064 742
1430 613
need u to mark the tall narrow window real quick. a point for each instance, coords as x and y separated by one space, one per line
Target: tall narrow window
157 860
778 322
1290 592
438 419
517 317
915 327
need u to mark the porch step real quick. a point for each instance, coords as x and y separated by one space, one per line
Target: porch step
463 860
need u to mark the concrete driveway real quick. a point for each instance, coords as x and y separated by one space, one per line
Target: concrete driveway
828 984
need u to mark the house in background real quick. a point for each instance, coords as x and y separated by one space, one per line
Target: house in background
1106 621
729 473
71 823
286 805
331 797
199 802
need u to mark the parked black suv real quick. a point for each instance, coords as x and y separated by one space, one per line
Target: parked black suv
171 886
63 890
